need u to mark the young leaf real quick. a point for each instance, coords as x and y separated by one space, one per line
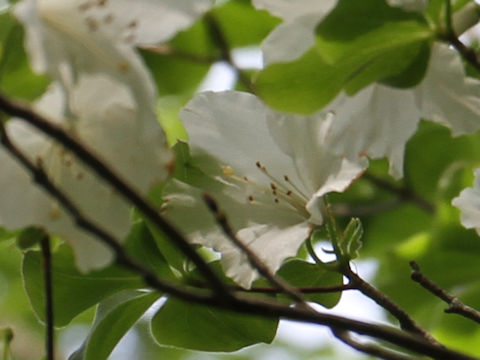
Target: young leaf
351 242
302 274
112 321
74 292
205 328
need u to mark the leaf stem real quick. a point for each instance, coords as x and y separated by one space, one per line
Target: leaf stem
49 307
455 305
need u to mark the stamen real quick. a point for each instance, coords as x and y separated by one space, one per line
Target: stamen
295 187
279 190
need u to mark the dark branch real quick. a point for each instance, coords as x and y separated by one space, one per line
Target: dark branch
455 305
467 53
121 257
260 307
87 157
369 349
406 322
404 193
253 259
219 39
49 312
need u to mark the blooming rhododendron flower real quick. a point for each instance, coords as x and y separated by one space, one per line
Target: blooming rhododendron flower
469 204
295 35
111 128
66 38
379 120
268 172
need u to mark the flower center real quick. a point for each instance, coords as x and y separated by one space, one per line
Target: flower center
282 191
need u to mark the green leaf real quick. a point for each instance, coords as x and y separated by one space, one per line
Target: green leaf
74 292
351 240
6 235
303 274
205 328
112 321
179 66
30 237
16 77
175 258
243 25
358 43
141 244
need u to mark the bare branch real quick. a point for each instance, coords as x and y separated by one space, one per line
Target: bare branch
406 322
219 38
404 193
369 349
253 259
121 257
103 171
455 305
260 307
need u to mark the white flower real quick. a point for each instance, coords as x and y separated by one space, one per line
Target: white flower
469 204
409 5
295 35
67 38
379 120
112 129
268 172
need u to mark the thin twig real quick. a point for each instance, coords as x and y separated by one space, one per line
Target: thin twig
275 290
368 349
104 172
253 259
405 321
121 257
265 307
49 311
404 193
468 54
302 290
455 305
225 52
359 210
261 307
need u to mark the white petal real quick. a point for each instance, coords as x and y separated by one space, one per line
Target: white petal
469 204
376 122
134 149
232 127
294 9
447 95
270 243
241 132
295 36
278 238
290 40
66 39
409 5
